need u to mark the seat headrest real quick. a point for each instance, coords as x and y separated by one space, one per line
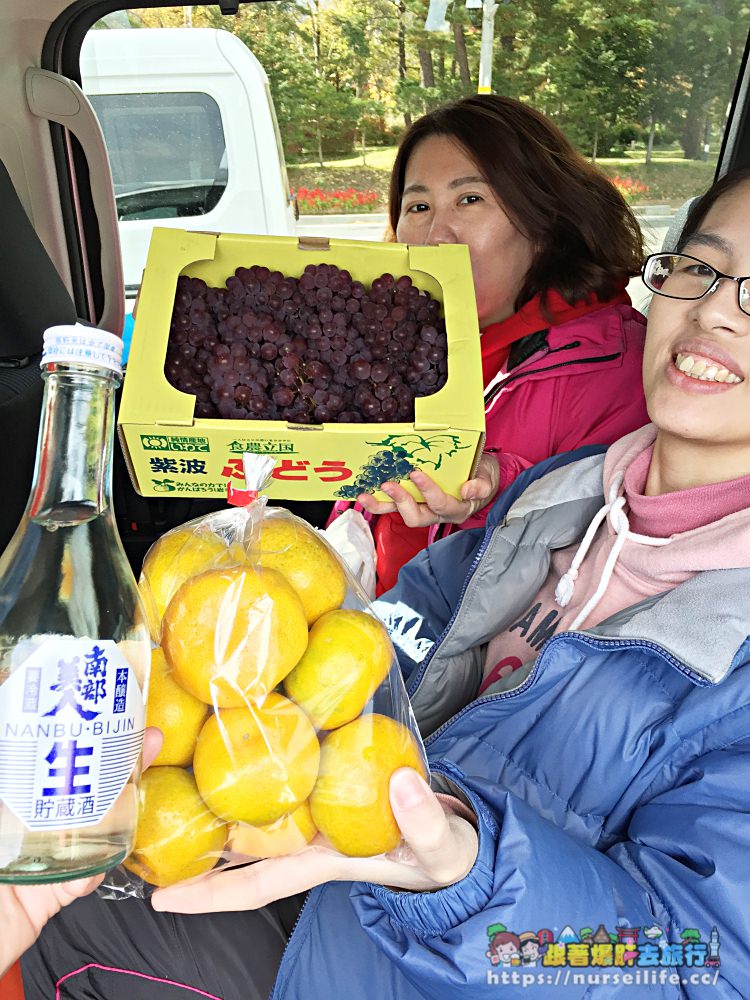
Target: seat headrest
32 294
672 239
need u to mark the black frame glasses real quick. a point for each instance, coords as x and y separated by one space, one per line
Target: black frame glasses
712 279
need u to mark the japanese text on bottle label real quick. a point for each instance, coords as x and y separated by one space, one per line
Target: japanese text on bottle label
71 729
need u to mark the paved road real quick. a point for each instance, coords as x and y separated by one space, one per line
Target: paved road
343 227
372 227
654 224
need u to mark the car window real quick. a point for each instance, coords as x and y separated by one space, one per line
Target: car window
642 90
167 152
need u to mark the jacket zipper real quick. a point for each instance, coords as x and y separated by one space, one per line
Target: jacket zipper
544 351
274 991
589 640
492 393
417 680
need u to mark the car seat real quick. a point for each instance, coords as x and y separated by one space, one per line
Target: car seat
33 297
670 241
677 225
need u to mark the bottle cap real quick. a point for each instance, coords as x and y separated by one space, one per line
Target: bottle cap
82 345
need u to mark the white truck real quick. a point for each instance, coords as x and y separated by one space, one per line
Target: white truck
192 137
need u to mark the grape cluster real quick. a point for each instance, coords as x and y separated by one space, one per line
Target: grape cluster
380 468
315 349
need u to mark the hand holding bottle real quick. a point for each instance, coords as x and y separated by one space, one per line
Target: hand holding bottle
74 644
25 909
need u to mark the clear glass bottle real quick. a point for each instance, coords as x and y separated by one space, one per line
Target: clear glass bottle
74 645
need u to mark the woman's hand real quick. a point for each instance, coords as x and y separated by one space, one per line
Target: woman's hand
438 506
25 909
440 848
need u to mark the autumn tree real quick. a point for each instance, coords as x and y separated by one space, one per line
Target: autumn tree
349 73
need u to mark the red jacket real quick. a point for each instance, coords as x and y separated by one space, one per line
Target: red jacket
581 384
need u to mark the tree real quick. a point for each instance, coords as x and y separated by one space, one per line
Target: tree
712 37
345 73
604 80
691 935
462 55
663 94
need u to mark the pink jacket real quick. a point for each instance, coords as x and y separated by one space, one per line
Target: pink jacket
582 385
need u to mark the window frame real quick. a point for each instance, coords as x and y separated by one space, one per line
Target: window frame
61 54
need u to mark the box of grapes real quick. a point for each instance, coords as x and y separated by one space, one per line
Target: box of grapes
351 363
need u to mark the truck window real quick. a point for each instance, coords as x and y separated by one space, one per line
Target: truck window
167 151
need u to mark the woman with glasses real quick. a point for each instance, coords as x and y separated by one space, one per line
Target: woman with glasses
552 246
597 798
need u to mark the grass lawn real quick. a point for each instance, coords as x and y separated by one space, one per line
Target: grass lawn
347 172
378 157
670 179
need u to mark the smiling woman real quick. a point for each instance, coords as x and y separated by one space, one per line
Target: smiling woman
698 343
552 245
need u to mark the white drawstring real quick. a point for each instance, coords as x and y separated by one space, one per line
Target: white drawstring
614 509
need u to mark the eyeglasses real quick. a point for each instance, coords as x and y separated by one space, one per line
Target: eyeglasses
679 276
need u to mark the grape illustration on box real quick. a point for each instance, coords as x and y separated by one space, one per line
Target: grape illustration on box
400 455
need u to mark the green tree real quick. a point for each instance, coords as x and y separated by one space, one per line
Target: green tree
308 65
348 73
602 79
663 94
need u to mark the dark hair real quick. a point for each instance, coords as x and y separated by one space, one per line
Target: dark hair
587 239
700 208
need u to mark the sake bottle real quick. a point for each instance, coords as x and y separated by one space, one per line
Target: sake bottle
74 645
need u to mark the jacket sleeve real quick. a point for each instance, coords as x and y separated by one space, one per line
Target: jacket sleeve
682 865
511 467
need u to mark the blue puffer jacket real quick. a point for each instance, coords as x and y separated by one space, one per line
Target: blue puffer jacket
612 787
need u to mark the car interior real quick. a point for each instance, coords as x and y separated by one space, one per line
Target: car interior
59 253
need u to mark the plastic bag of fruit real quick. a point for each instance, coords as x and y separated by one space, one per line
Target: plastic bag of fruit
278 693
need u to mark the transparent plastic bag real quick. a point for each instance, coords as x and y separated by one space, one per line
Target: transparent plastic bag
351 537
279 695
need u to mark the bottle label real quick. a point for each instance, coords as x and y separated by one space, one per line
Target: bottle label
71 730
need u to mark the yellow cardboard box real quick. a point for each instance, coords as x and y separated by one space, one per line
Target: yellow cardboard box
169 452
